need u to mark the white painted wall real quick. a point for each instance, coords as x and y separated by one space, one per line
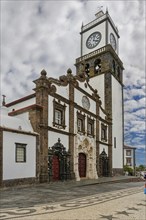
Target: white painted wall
11 169
100 28
63 91
101 147
14 122
82 86
97 82
117 123
53 139
101 114
23 104
78 99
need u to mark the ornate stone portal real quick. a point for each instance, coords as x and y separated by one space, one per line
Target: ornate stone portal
87 147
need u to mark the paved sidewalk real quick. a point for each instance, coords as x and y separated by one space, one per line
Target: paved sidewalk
29 195
34 201
82 182
121 204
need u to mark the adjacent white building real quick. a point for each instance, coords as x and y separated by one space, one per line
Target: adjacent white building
129 157
18 150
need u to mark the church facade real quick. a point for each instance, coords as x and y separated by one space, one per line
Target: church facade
79 117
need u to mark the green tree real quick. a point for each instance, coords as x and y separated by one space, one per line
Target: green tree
141 167
128 169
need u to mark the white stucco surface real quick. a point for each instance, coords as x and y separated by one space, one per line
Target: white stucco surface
23 104
117 123
97 82
53 139
63 91
103 147
14 122
11 168
78 99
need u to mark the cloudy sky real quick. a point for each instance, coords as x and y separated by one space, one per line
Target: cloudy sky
39 34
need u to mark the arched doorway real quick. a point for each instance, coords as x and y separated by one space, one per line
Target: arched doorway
82 165
103 164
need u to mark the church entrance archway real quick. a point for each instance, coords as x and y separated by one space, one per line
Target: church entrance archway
82 165
103 164
58 163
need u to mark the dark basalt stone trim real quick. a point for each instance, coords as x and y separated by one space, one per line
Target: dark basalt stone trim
18 131
59 97
85 93
19 182
21 100
25 109
60 131
117 171
100 142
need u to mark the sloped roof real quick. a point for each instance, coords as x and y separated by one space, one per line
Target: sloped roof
129 147
12 122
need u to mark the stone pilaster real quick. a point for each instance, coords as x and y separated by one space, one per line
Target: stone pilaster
97 138
41 124
71 128
110 148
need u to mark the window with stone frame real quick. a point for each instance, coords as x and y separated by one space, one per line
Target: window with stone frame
128 161
59 115
128 152
20 153
90 127
103 132
80 123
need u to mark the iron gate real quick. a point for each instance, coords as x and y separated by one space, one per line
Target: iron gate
103 164
58 163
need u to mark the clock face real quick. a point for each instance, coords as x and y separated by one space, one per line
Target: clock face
113 41
93 40
85 102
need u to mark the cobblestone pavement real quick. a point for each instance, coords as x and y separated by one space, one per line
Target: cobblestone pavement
63 202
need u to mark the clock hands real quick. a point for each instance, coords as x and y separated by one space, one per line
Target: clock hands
93 40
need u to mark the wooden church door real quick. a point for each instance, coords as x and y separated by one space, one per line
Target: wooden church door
82 165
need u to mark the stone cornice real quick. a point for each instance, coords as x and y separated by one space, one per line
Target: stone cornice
18 131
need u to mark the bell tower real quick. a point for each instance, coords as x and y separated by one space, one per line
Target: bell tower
98 33
100 61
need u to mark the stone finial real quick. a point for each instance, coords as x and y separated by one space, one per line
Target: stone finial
59 140
69 71
106 10
43 73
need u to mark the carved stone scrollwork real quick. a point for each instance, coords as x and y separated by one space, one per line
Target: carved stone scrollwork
64 80
53 89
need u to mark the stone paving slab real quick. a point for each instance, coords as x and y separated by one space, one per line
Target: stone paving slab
123 204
